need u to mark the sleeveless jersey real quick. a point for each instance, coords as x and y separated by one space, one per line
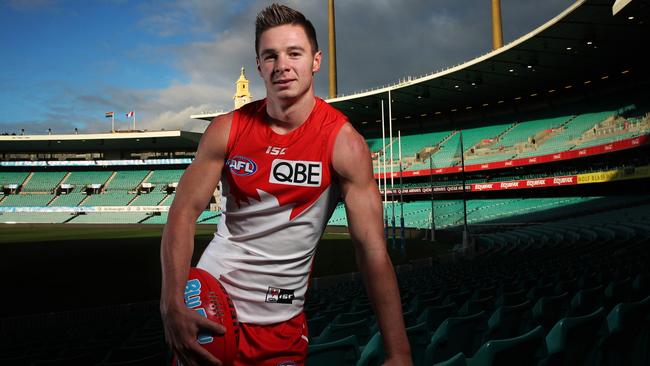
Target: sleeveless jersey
277 196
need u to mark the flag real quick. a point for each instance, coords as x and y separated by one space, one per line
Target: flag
109 114
130 114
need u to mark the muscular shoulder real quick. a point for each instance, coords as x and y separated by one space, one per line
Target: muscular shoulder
351 156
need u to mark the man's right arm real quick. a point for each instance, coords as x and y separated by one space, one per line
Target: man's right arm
193 193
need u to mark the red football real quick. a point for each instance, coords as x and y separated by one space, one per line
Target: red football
208 297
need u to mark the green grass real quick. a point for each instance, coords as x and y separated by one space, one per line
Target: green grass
44 232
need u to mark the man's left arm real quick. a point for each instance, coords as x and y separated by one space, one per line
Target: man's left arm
353 166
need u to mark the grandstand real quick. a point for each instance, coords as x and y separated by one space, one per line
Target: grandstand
530 162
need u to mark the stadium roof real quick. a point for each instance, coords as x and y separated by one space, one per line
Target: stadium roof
128 141
581 47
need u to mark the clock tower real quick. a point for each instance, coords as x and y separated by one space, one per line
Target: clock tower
242 95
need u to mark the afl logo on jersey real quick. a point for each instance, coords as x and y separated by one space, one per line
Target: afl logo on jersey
242 166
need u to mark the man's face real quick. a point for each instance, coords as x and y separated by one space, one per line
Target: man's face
286 62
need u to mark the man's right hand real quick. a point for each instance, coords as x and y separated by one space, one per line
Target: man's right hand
182 326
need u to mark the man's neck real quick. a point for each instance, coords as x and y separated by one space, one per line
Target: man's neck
287 116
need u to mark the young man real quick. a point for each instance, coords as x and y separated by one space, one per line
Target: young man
283 161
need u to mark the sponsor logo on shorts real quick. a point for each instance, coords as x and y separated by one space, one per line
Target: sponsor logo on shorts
287 363
279 295
296 173
241 165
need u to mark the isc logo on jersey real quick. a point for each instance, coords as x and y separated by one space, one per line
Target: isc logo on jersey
296 173
241 166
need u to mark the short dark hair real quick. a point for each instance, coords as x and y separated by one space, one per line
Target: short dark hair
276 15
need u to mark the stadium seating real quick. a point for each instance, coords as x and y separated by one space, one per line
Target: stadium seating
108 199
500 142
7 178
606 250
520 350
35 217
149 199
455 334
160 178
627 336
572 340
127 180
45 182
83 178
110 217
26 200
68 200
343 352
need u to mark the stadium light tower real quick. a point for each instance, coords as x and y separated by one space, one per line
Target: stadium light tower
497 32
332 49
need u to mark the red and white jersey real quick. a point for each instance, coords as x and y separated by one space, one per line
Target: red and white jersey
279 194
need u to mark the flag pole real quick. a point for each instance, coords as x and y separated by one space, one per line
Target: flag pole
383 153
392 185
134 120
433 223
462 163
113 122
401 195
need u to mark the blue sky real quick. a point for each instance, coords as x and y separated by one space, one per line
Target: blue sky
67 62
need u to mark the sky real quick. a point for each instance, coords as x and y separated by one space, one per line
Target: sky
65 63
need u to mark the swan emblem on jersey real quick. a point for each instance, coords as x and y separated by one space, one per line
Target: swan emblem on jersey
241 165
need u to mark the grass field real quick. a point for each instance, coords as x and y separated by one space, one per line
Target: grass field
63 267
39 233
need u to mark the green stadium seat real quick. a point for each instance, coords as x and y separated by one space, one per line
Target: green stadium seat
617 292
332 311
350 317
473 306
510 298
333 332
373 352
433 316
627 338
458 360
506 321
418 336
484 292
43 182
586 301
641 286
548 310
458 298
526 349
455 334
572 340
419 303
343 352
537 292
315 325
409 318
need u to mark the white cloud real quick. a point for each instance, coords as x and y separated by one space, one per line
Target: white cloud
376 45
